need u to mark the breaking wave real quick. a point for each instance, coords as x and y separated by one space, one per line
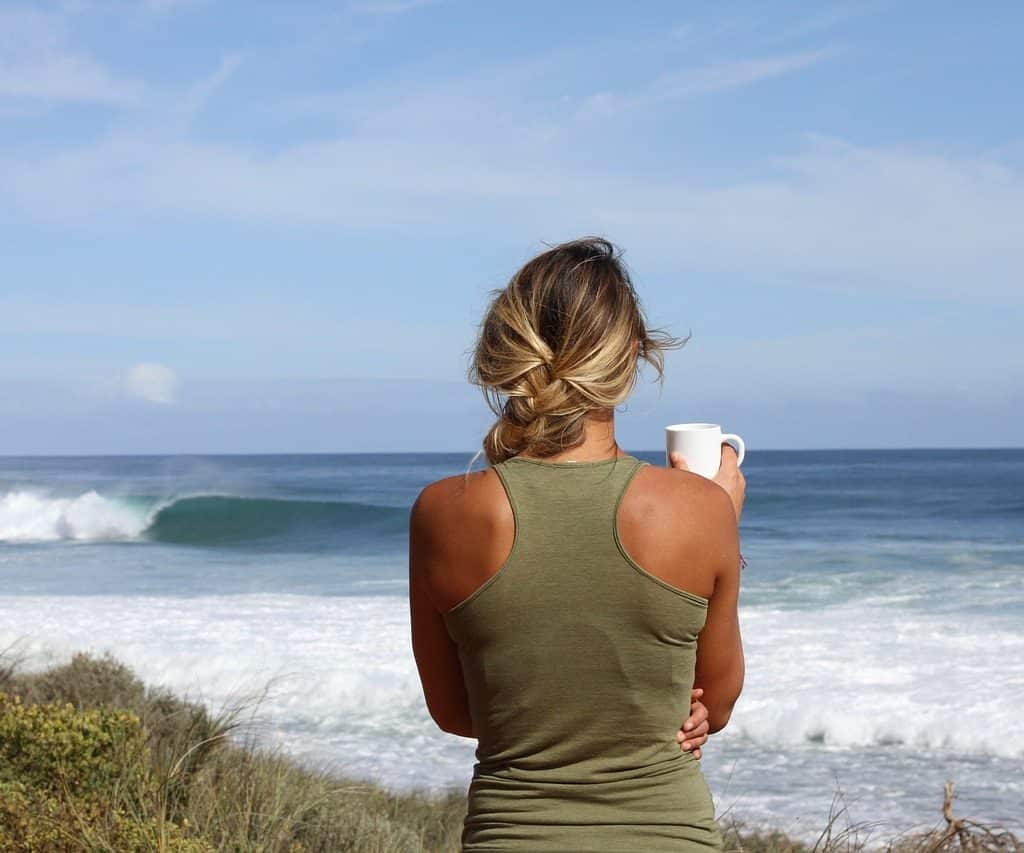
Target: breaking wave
203 519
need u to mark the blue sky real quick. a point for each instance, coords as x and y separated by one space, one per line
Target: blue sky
256 227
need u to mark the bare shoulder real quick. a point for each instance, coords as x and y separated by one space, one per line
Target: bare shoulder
461 530
669 492
458 499
677 525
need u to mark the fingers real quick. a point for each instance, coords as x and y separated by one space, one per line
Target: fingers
678 461
731 478
698 731
729 471
693 740
698 714
694 732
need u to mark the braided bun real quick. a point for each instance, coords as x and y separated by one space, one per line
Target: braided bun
564 338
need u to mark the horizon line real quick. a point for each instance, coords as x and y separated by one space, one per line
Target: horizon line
469 452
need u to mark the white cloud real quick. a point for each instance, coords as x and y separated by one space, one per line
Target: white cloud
36 61
390 7
200 93
722 76
153 382
881 217
701 80
160 6
66 78
499 149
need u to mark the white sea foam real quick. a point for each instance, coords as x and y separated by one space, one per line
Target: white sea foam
31 516
862 675
859 685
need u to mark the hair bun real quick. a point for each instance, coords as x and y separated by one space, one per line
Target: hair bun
563 338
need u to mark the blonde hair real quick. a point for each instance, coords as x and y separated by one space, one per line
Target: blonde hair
565 337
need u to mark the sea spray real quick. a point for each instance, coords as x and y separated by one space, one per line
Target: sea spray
194 519
31 516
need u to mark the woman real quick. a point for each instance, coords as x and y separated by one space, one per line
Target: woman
557 596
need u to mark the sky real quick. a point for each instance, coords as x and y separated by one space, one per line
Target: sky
275 227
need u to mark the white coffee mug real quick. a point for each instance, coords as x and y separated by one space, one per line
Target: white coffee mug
701 446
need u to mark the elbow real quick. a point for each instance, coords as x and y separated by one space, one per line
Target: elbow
460 729
718 718
445 723
720 705
454 724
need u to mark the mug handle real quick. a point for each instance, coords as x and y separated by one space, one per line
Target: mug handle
741 449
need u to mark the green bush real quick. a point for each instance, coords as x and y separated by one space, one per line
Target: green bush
74 779
58 749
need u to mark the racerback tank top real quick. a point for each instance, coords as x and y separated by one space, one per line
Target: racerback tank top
578 666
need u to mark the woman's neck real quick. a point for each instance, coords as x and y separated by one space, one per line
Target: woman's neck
598 442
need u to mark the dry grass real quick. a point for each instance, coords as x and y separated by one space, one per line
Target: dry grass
186 780
958 834
951 835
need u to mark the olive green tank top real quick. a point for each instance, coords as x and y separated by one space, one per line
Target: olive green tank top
578 666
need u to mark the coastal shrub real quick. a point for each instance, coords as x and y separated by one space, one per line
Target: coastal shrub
59 749
76 779
85 681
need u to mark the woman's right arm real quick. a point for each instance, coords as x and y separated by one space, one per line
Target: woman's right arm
720 663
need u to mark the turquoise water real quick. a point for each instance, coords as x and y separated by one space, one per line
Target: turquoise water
882 612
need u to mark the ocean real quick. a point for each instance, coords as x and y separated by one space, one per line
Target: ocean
882 612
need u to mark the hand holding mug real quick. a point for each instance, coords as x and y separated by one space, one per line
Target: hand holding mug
702 449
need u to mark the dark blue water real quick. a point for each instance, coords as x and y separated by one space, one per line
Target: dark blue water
837 503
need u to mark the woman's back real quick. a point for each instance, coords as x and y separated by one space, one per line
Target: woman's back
578 665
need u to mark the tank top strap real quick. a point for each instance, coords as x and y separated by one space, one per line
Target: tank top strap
559 502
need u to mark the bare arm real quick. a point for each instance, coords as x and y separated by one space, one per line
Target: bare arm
437 657
720 662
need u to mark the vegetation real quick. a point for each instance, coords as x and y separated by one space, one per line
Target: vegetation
91 759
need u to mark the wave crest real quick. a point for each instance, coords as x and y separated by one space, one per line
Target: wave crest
198 519
27 516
